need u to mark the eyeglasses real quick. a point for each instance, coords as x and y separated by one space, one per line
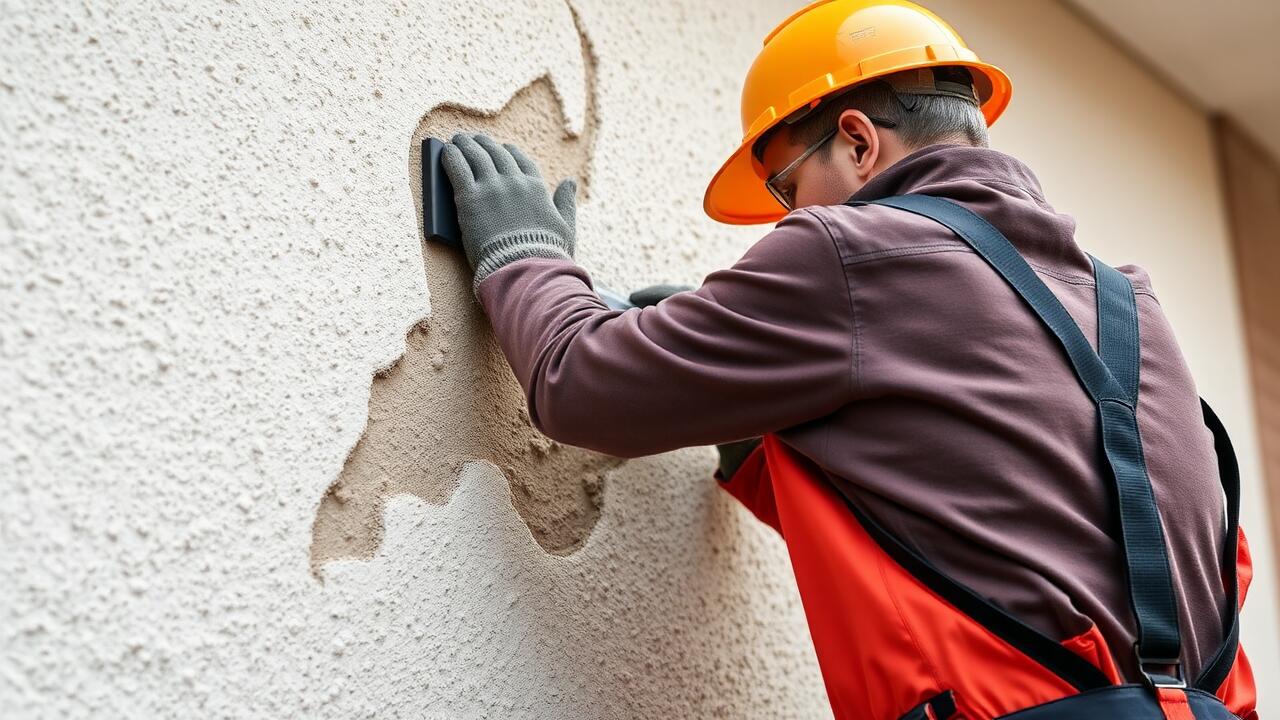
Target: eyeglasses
776 181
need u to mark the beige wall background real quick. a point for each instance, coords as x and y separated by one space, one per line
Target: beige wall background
258 455
1252 181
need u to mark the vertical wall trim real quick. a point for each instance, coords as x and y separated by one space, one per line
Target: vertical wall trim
1251 184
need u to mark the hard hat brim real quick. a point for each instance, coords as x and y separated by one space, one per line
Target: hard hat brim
737 195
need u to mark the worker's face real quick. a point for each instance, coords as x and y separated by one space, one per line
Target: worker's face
837 170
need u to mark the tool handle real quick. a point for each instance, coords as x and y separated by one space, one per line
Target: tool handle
439 214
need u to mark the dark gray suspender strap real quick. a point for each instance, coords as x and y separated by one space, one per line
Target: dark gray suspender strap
1219 666
1118 321
1153 605
1117 326
1150 583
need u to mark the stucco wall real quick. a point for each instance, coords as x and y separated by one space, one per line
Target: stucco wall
239 393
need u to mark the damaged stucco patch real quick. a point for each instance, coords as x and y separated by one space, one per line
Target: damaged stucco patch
451 398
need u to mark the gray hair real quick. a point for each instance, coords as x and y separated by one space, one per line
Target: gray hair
946 112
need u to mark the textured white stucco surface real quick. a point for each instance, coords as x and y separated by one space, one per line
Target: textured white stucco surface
207 248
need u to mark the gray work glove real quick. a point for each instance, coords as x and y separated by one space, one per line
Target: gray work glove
652 295
504 210
731 454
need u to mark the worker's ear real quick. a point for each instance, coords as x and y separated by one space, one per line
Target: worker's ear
864 141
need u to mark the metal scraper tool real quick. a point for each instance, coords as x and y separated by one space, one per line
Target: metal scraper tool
440 215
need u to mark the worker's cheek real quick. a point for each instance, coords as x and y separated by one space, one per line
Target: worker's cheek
828 189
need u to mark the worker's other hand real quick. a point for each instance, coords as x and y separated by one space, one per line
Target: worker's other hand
652 295
504 210
732 454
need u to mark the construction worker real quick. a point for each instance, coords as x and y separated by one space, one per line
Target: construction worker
982 446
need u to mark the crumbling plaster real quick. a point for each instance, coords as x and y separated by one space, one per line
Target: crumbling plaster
212 272
451 398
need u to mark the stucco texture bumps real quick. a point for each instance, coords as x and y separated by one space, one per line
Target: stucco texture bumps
209 252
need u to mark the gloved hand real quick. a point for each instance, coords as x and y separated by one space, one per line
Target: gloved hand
504 210
731 454
652 295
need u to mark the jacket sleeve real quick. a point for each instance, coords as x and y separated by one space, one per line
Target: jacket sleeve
763 345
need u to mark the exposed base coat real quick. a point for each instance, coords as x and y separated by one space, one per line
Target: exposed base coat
451 397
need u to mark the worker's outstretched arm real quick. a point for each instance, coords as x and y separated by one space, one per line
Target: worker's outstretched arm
760 346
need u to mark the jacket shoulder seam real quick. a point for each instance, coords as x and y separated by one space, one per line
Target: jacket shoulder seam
855 341
911 250
872 255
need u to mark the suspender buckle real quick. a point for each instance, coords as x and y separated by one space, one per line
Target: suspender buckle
1156 679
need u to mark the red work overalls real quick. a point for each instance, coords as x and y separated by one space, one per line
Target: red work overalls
896 638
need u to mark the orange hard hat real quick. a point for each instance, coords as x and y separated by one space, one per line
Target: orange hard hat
827 46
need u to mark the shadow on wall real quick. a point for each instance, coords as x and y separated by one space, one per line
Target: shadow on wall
451 398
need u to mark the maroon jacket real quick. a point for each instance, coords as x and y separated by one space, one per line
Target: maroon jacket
883 348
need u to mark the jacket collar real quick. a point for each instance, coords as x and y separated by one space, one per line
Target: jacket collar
938 164
998 187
